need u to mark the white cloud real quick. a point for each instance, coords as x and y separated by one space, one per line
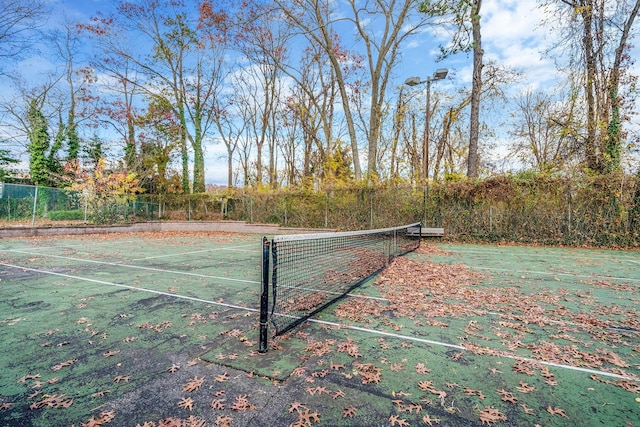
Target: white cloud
512 35
505 22
215 160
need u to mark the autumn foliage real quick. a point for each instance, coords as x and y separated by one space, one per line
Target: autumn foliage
107 191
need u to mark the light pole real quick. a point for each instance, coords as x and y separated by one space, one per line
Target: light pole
439 74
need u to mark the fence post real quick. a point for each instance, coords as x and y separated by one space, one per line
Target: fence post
35 203
371 208
86 203
326 209
569 212
286 220
490 218
425 196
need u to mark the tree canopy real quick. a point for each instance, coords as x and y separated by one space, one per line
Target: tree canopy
308 93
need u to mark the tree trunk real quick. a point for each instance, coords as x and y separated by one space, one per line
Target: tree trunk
591 152
183 147
613 146
476 88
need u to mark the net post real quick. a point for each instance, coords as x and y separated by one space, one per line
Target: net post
264 297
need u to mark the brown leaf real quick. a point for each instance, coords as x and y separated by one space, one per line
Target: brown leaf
193 385
349 412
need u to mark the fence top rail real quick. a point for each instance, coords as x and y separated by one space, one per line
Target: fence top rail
328 235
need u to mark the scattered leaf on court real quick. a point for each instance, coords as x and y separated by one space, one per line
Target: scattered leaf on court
186 403
218 404
397 421
224 421
222 377
349 412
490 415
193 385
242 404
556 411
428 420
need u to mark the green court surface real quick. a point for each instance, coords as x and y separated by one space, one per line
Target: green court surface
161 329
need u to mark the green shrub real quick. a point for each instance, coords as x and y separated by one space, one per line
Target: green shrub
66 215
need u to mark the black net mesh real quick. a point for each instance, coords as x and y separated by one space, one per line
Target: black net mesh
311 271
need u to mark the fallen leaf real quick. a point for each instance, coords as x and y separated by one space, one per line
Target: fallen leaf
349 412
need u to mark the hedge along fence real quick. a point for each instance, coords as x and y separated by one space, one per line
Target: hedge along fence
603 211
350 209
37 205
597 212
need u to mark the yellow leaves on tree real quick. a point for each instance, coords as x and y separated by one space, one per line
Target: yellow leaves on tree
120 186
105 190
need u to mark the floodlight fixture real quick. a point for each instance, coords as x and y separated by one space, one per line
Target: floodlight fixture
439 74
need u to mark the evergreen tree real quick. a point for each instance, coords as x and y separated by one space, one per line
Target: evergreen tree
94 151
38 146
53 163
73 140
5 160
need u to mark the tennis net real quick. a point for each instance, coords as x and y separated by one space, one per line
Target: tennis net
311 271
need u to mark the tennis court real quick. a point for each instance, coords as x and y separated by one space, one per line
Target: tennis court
162 329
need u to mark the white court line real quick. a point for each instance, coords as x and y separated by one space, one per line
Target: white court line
459 347
139 267
186 273
234 248
66 246
554 273
323 322
545 255
133 288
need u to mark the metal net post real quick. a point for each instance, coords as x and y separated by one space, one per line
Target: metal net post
264 297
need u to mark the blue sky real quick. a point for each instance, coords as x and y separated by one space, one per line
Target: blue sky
512 36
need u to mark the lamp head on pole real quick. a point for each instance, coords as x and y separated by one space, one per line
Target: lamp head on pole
440 74
412 81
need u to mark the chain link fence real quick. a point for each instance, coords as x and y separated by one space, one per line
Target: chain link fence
602 211
36 206
598 212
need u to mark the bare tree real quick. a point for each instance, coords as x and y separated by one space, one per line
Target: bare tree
594 40
382 26
464 18
18 20
539 141
177 68
315 18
